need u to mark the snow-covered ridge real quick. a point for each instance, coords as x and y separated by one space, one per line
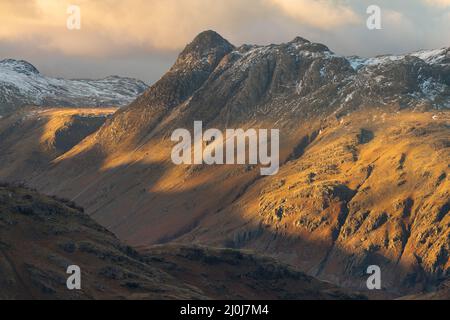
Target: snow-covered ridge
436 56
21 83
376 80
303 48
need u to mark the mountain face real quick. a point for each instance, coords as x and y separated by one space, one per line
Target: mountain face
22 84
40 237
33 136
364 149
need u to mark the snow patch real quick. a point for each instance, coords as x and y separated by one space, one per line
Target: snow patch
20 80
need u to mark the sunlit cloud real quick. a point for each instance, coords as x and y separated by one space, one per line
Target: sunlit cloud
321 14
439 3
117 30
157 24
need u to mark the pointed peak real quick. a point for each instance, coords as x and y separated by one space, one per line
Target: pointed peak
304 44
21 66
211 37
207 41
300 40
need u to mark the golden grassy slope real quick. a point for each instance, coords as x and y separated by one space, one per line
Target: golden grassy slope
33 137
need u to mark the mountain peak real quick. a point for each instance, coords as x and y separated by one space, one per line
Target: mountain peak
22 84
208 41
21 66
300 40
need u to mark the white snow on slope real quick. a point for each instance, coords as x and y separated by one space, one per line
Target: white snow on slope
432 56
19 78
429 56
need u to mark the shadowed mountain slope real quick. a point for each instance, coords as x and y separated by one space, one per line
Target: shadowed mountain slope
41 236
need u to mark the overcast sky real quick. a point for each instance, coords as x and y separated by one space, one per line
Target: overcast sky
141 38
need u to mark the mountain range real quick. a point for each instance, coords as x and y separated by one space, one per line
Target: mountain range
364 150
22 84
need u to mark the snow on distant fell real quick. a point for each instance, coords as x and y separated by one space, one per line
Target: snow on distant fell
436 56
21 83
433 56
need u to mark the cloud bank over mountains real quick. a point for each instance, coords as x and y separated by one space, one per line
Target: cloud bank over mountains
119 32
